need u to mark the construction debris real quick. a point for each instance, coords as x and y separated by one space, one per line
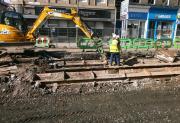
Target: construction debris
165 55
2 52
8 70
49 74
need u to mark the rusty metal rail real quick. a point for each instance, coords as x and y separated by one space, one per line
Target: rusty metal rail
105 67
96 74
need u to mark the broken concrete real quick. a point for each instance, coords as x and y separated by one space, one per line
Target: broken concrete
165 55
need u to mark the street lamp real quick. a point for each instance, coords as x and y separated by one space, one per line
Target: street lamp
115 19
76 25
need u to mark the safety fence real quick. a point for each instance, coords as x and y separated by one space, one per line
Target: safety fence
137 43
141 43
70 35
75 35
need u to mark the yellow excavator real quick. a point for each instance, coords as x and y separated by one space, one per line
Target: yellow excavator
13 28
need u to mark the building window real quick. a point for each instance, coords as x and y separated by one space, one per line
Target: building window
164 30
134 1
83 1
178 2
101 1
136 29
151 1
165 2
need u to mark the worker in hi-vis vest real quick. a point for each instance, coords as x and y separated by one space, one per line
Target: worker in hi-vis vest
114 48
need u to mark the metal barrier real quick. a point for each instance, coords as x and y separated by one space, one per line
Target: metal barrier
150 43
69 35
126 43
139 43
177 43
86 43
160 43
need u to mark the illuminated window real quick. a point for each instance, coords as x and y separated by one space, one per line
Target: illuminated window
82 0
165 2
101 1
151 1
134 1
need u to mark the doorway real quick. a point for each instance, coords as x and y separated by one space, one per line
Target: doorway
151 31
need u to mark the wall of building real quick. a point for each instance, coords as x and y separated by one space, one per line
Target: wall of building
160 22
157 2
98 14
92 11
107 4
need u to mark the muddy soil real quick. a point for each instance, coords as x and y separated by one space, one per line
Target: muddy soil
154 103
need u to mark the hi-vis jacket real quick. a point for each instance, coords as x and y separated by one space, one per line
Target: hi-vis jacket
114 46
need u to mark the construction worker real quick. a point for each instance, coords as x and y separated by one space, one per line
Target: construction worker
114 50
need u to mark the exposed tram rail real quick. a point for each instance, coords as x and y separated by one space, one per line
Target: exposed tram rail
105 73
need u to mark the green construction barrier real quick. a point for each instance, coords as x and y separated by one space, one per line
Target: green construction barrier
177 43
149 43
139 43
126 43
142 43
167 43
86 43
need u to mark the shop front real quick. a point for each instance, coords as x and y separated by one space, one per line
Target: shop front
133 20
136 24
161 23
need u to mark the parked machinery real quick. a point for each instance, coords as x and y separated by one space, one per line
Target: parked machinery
13 28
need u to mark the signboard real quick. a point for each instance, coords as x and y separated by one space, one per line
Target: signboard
137 15
124 9
163 14
82 12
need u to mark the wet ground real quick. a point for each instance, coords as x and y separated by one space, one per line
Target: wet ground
158 105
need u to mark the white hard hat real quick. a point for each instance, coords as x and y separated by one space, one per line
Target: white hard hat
113 35
117 36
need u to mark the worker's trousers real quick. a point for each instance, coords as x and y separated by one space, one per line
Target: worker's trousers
115 57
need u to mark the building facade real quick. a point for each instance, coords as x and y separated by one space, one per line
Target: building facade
98 14
154 19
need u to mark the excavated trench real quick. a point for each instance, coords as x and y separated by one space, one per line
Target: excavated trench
81 88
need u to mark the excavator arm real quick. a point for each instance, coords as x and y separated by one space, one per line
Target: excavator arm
47 13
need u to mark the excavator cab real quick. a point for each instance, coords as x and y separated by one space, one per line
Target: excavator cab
14 19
